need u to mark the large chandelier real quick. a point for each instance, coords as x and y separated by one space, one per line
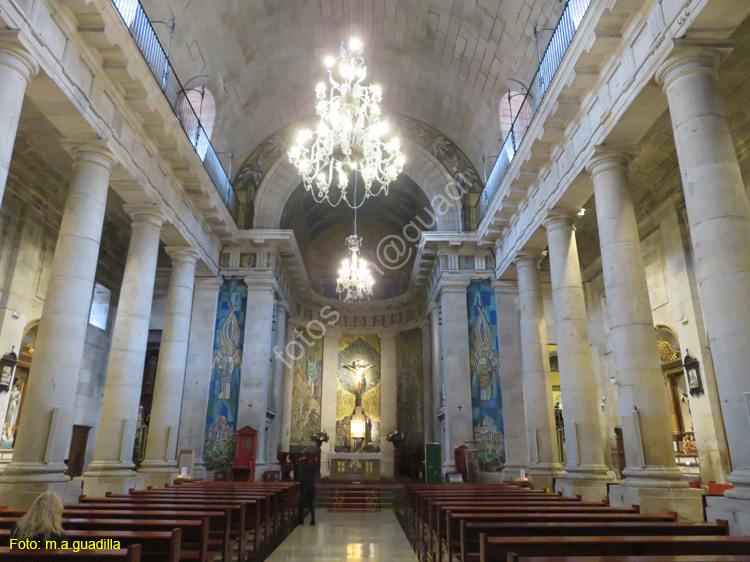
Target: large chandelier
355 282
348 136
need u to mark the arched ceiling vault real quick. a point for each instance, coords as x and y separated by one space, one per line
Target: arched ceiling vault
446 63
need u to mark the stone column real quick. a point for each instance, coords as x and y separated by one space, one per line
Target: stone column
256 360
112 467
511 381
328 394
288 385
159 467
652 477
388 399
429 413
17 68
719 220
277 394
198 370
45 424
585 472
544 463
436 380
454 338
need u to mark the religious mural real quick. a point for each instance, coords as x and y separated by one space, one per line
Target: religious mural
307 393
410 409
486 397
223 398
358 384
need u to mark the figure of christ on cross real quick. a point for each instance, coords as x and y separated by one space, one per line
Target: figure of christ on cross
359 367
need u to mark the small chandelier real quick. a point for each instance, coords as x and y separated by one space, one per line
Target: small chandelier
348 136
355 282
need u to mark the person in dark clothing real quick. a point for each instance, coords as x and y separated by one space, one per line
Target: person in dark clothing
305 475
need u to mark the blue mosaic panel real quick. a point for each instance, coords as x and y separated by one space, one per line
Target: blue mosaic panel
223 398
486 397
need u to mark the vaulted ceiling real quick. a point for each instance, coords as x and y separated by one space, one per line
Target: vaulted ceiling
444 62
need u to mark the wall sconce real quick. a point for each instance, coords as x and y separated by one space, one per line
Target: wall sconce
7 369
693 372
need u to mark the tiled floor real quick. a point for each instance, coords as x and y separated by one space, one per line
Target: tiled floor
347 537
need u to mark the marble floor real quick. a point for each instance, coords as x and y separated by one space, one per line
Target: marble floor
347 537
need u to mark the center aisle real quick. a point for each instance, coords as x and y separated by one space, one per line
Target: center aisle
347 537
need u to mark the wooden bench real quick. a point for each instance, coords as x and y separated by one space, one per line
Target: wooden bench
156 546
496 549
194 532
468 544
130 554
241 523
512 557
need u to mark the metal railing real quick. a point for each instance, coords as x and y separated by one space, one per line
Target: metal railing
558 45
141 30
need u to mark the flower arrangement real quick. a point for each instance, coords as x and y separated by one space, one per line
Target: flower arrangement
395 436
321 435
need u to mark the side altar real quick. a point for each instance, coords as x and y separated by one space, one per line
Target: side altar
355 466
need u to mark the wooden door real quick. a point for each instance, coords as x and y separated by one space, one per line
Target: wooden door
77 452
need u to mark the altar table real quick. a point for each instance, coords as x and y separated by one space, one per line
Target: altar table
355 466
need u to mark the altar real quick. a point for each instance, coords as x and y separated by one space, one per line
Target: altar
355 466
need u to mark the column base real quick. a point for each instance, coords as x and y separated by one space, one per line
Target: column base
260 468
157 474
543 475
512 472
199 471
99 483
737 512
741 480
591 489
686 502
20 495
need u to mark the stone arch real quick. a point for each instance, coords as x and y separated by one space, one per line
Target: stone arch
421 166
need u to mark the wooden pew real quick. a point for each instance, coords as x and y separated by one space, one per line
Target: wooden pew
194 532
499 508
156 546
241 522
455 521
512 557
468 547
496 549
129 554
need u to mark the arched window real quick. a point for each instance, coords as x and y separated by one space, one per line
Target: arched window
199 103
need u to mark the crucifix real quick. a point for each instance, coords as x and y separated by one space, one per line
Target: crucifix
358 425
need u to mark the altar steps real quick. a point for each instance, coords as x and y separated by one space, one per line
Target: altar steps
345 499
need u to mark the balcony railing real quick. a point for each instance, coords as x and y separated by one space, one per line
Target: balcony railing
559 42
141 30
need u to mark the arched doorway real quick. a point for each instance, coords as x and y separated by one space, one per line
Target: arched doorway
670 354
18 388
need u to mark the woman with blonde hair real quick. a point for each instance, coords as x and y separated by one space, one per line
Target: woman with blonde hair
43 520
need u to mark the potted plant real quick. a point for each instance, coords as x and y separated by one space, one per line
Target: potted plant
320 437
396 437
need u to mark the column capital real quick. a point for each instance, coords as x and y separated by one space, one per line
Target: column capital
527 259
146 214
282 306
689 57
387 336
452 284
261 280
505 287
606 159
208 283
182 254
557 220
14 55
89 152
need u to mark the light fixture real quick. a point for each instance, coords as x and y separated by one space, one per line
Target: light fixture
354 282
348 138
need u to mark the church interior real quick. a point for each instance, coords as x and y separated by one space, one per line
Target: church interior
480 269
